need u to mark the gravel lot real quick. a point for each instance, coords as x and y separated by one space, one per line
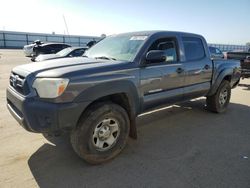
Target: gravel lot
179 146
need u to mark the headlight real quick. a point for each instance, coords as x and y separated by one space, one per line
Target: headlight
50 87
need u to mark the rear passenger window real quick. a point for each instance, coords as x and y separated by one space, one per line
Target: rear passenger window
193 47
212 50
168 45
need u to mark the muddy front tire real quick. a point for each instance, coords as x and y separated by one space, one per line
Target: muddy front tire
101 133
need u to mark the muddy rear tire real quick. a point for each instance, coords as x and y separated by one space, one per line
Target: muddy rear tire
219 101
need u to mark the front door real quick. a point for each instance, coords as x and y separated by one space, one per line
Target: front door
162 82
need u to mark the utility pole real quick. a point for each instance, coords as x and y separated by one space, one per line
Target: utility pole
66 27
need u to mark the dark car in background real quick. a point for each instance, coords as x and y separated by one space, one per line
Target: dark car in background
216 53
66 52
48 48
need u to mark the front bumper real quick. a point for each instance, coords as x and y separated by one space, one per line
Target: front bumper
43 117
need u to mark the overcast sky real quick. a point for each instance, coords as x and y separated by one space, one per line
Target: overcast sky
220 21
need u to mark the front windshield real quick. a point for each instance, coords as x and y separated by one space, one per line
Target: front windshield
64 52
117 47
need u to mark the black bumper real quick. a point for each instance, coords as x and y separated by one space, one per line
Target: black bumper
43 117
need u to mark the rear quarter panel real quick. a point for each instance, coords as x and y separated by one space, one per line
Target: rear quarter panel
222 69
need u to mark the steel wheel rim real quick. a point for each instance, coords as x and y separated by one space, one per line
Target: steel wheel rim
223 96
105 134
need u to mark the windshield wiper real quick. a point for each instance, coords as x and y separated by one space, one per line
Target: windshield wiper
104 57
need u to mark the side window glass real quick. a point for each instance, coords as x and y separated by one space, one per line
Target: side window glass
53 47
169 49
168 46
60 47
47 49
218 51
212 50
193 47
81 52
64 46
77 52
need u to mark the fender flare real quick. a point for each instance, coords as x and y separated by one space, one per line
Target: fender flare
218 80
115 87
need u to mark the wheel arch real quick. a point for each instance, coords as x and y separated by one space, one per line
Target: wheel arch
123 93
224 75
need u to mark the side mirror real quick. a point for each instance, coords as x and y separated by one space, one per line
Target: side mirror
155 56
248 58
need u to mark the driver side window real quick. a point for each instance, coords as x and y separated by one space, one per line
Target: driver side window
169 48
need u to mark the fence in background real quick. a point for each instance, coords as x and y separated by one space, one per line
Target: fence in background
230 47
16 40
12 39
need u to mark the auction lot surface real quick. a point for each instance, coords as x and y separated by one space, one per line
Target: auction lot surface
180 146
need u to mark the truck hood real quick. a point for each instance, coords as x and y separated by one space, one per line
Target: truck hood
64 66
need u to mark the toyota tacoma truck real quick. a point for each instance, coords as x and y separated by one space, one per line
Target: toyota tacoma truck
97 97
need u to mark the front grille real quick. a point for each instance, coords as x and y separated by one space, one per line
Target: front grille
19 83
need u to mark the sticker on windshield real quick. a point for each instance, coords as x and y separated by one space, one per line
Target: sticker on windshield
138 37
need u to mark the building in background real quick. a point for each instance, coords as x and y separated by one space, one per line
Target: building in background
230 47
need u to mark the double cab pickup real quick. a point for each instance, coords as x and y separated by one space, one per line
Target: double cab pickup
97 97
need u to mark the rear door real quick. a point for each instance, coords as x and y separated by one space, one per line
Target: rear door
162 82
197 66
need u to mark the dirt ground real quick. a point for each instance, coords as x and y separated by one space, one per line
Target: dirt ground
179 146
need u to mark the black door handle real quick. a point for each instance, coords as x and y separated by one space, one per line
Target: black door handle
179 70
206 67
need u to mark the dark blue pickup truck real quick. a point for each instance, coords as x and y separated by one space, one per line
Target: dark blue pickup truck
97 97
